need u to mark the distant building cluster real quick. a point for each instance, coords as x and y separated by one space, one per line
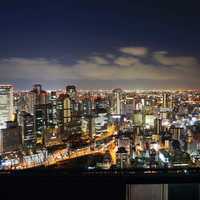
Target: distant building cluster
151 128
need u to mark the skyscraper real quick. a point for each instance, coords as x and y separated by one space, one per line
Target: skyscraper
11 139
40 96
164 100
157 126
74 103
43 120
86 106
64 114
26 121
116 105
53 101
6 104
167 100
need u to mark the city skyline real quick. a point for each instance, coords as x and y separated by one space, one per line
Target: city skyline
98 45
124 129
100 99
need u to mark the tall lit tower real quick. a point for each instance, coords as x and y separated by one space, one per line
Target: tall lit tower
41 110
167 100
64 115
165 96
53 101
117 107
72 93
6 104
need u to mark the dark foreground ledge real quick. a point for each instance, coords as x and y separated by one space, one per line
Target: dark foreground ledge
102 184
136 176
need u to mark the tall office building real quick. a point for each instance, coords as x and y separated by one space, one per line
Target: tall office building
157 130
6 104
53 101
164 100
64 114
43 120
26 121
23 101
167 100
86 106
42 111
116 102
157 126
40 96
75 104
10 137
26 102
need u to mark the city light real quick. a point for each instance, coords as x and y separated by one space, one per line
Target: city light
51 127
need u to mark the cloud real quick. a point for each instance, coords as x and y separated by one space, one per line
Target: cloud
164 59
33 69
135 51
179 70
99 60
126 61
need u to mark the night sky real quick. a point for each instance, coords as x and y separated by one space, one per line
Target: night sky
100 44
